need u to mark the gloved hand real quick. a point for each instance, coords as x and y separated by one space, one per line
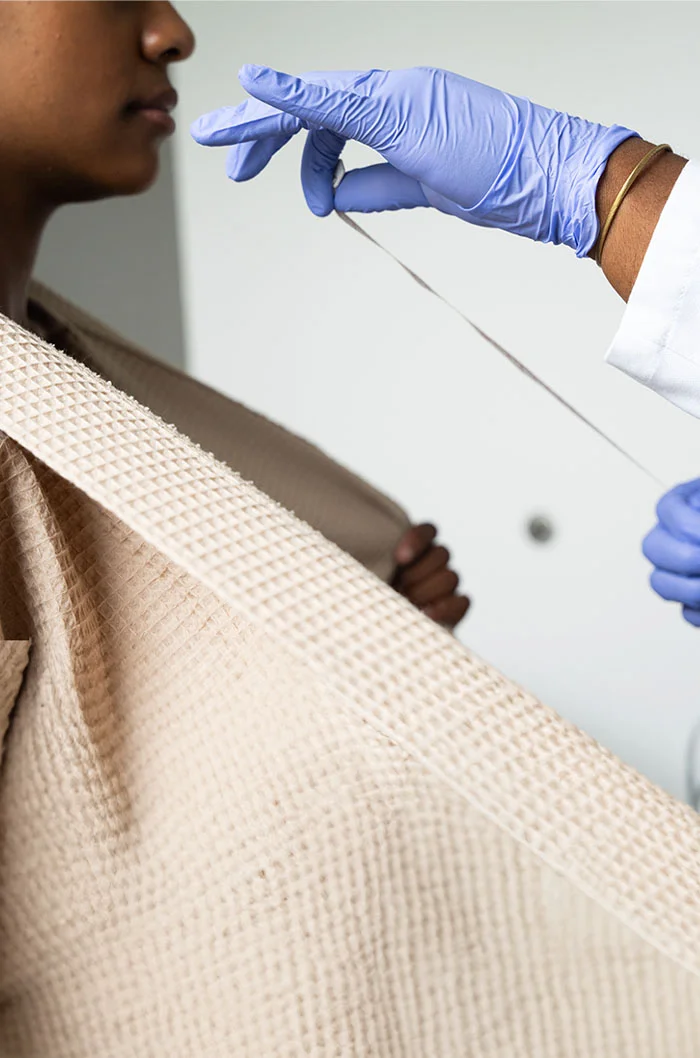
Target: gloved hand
673 547
424 577
469 150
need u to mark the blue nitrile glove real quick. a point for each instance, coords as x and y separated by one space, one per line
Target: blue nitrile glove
673 547
488 157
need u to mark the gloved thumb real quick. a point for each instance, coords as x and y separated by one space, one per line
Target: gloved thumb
377 188
338 109
370 190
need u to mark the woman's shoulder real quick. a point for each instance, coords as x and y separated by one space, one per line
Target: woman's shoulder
292 470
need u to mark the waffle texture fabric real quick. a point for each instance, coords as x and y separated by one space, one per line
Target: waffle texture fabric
253 803
346 509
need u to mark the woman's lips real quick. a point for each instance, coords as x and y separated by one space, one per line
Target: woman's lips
158 117
156 109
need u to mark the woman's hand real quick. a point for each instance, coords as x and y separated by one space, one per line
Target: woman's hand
483 155
424 577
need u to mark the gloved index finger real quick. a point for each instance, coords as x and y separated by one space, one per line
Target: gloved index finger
338 108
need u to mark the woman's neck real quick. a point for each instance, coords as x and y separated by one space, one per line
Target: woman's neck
22 223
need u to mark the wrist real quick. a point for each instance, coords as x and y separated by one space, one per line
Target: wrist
619 166
637 217
586 148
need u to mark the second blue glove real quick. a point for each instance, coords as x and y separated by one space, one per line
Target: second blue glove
673 546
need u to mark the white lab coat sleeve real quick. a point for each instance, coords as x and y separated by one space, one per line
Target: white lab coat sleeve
658 342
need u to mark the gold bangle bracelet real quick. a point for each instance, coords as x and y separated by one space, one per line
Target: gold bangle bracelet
639 168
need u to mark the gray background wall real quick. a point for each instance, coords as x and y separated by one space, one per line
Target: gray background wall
306 321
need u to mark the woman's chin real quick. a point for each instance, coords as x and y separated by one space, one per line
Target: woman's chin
140 177
110 181
124 179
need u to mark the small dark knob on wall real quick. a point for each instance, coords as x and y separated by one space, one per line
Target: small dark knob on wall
540 529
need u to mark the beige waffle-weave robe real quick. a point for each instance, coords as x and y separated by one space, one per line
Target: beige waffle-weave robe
254 805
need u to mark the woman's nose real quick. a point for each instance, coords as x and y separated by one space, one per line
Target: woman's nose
166 37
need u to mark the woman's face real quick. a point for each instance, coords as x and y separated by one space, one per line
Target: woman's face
85 95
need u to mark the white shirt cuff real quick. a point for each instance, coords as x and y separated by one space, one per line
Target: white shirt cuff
658 342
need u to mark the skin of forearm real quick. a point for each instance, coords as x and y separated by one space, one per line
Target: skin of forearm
634 223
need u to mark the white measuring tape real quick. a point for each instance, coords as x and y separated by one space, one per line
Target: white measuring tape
338 176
